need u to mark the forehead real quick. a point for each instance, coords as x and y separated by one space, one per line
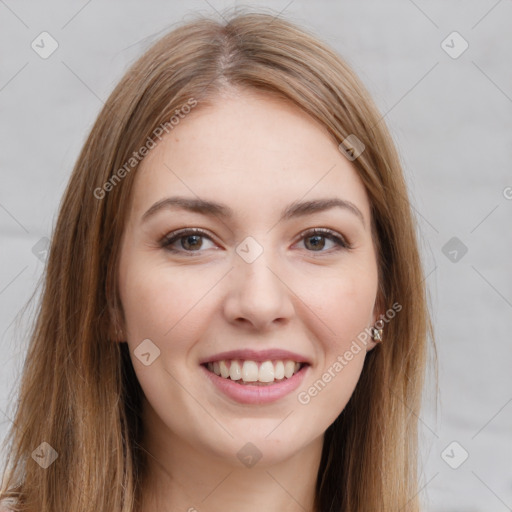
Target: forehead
251 151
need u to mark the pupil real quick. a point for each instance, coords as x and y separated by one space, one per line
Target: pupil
196 238
188 238
317 243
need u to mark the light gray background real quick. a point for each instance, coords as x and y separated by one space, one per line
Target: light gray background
451 120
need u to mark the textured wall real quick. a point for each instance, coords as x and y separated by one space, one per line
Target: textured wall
449 109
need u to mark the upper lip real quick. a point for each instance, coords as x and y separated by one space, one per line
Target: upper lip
257 355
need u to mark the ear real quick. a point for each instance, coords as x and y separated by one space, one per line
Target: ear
378 312
370 344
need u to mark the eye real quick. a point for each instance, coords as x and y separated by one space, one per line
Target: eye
315 239
191 240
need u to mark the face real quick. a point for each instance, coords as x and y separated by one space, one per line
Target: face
250 276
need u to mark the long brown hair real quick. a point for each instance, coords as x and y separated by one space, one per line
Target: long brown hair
79 392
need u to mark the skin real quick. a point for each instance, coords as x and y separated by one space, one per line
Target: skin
257 155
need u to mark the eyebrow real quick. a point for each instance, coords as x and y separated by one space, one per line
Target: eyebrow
295 209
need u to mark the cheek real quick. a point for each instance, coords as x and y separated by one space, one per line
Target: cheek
346 307
162 305
345 304
352 307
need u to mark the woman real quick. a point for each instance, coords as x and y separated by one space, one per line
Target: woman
234 314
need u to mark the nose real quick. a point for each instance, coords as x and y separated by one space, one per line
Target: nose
259 297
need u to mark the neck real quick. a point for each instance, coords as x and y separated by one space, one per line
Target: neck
181 477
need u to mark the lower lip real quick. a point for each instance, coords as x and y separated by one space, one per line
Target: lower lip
247 394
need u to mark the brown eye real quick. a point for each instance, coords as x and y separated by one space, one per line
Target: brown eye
315 240
190 240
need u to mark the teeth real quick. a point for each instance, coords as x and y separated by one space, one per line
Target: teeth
252 371
266 372
289 368
279 370
224 370
235 372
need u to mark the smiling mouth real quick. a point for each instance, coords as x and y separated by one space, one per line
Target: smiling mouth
255 373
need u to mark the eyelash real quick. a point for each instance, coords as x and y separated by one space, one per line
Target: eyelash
169 239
